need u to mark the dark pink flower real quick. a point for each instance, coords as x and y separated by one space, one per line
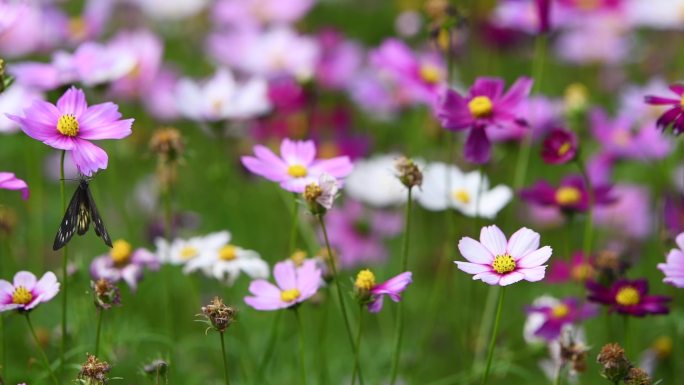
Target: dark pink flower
10 182
571 195
559 146
674 116
578 269
567 311
393 288
544 14
629 297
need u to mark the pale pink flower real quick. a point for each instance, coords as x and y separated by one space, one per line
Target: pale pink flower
9 181
294 285
26 291
674 266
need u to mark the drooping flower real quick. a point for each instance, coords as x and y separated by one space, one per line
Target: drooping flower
320 195
297 165
673 268
9 181
629 297
485 105
578 269
72 124
124 263
294 285
372 294
571 195
559 146
26 291
566 311
674 116
497 261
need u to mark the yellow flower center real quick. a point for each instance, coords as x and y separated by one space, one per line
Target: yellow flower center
503 264
365 280
560 311
121 252
564 148
581 273
481 106
430 74
289 295
576 96
298 257
663 347
462 196
587 5
21 296
681 102
67 125
297 171
188 252
77 27
628 296
568 195
228 253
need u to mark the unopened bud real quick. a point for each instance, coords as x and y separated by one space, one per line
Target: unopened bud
94 371
408 172
637 376
219 315
615 364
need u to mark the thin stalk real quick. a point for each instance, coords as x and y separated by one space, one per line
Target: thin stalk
65 260
589 223
495 331
404 267
302 355
168 213
357 353
292 245
3 363
42 352
559 376
628 336
225 358
270 347
100 314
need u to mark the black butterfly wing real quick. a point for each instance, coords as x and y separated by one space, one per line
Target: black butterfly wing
98 224
71 218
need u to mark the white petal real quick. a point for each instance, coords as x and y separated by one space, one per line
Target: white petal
474 251
488 278
495 200
523 242
473 268
510 278
535 258
493 239
534 274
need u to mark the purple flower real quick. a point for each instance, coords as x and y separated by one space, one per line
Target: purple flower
629 297
485 105
571 195
673 213
26 292
567 311
578 269
123 263
297 165
393 287
674 116
71 125
618 218
624 138
339 61
294 285
10 182
674 266
559 146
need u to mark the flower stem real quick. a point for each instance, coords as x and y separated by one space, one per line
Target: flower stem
100 313
628 336
302 355
42 352
225 359
495 331
292 245
168 213
357 353
559 376
270 347
589 224
65 260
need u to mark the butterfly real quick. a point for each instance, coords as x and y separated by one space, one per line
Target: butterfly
79 214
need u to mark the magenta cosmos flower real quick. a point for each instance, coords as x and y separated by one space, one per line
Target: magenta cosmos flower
674 266
27 292
294 285
559 146
565 312
578 269
9 181
123 262
498 261
674 116
297 165
72 124
485 105
629 297
373 293
570 196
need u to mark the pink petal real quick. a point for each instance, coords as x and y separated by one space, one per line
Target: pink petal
490 87
493 239
511 278
73 102
394 285
488 278
680 241
61 142
265 303
376 305
10 182
268 157
297 185
285 275
474 251
473 268
534 274
132 274
102 122
298 152
264 169
263 288
88 157
338 167
535 258
308 279
517 93
523 242
25 279
47 286
6 288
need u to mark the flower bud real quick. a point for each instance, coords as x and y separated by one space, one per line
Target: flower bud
319 196
615 364
637 376
106 294
94 371
168 143
364 283
218 315
408 172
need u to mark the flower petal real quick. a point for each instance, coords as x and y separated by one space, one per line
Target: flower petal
493 239
47 286
88 157
523 242
73 102
285 275
475 251
535 258
511 278
534 274
25 279
473 268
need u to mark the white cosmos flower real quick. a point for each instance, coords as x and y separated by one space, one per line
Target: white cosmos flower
182 251
170 10
329 188
462 191
226 263
221 97
375 183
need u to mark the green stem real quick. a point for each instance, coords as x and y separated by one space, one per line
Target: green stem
168 213
302 355
495 331
292 245
42 352
404 267
628 336
225 359
270 347
559 376
100 314
65 277
357 353
589 224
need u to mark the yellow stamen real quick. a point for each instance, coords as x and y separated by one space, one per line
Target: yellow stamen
289 295
662 347
564 148
188 252
621 137
481 106
430 74
67 125
121 252
365 280
560 311
628 296
462 196
297 171
21 296
77 27
298 257
568 195
576 96
503 264
681 102
228 253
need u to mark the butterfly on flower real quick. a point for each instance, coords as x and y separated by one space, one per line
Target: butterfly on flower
79 214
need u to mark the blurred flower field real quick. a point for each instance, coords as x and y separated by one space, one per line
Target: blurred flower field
341 192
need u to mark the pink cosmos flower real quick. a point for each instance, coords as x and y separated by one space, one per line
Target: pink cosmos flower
297 165
27 292
393 287
71 125
674 116
571 195
628 297
560 146
10 182
578 269
485 105
497 261
146 51
294 285
624 138
565 312
674 266
123 262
